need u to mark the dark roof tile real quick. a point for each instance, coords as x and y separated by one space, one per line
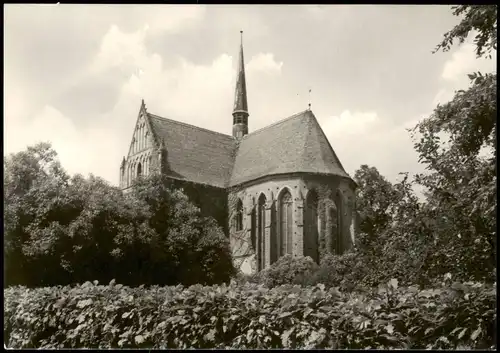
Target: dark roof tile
193 153
295 144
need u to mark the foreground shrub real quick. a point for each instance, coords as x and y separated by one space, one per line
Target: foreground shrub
287 270
341 271
249 316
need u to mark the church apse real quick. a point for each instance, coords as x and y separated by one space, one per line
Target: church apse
270 228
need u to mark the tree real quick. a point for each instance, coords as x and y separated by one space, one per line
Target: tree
194 246
454 229
376 200
394 229
461 178
61 230
481 19
32 181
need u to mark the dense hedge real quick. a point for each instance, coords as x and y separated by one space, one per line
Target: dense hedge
249 316
348 272
287 270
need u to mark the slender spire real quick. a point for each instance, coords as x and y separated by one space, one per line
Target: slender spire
240 99
240 110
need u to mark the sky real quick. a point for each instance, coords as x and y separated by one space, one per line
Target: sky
74 75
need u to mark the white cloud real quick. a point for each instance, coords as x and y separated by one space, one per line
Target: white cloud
181 91
169 18
197 94
120 49
348 123
79 151
264 62
443 96
464 61
16 98
365 138
454 75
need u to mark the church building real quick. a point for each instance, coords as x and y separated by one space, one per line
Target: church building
275 191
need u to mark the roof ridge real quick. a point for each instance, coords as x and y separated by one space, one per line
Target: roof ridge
189 125
276 123
322 132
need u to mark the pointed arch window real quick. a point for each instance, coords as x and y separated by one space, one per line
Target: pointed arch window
261 226
286 218
128 175
253 228
139 170
311 229
143 136
140 138
337 224
239 216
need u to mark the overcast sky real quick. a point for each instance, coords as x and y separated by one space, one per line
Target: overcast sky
75 75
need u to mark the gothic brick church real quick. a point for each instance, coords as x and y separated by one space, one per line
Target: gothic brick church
275 191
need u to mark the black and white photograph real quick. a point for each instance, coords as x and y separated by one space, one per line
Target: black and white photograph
250 176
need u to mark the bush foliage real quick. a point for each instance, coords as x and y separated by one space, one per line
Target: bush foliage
287 270
250 316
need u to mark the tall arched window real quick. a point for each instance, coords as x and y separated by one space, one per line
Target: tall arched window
253 229
139 170
239 216
142 136
335 216
286 219
261 235
127 173
339 209
274 235
139 138
311 230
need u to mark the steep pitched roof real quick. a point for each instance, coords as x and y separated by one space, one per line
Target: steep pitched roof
295 144
193 153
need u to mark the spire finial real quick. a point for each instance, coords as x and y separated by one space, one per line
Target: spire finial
309 105
241 38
